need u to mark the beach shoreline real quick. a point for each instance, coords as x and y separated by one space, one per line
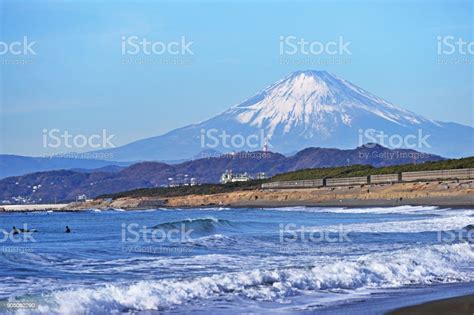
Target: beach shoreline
404 300
452 203
432 193
458 202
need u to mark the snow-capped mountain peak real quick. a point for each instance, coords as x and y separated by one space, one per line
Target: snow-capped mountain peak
305 109
314 102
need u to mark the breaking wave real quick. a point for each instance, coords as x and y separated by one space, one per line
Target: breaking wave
444 223
200 225
372 210
412 266
385 210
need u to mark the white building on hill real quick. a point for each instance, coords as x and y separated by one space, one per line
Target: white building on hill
229 177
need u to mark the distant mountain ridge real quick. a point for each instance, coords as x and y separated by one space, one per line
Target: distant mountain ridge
17 165
14 165
306 109
66 185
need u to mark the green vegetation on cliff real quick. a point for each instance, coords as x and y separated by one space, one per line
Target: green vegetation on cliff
330 172
204 189
365 170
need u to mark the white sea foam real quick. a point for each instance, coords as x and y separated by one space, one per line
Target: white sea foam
213 241
373 210
214 209
443 223
386 210
422 265
94 210
298 208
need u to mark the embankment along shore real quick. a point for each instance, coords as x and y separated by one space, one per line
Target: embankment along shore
34 207
452 193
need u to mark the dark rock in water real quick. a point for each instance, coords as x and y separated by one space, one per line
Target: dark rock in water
469 227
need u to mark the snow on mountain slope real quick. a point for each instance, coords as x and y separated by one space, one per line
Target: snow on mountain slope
306 109
316 102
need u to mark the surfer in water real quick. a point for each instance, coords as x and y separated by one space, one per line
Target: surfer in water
17 231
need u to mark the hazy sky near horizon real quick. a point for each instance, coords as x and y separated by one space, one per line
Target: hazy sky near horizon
77 80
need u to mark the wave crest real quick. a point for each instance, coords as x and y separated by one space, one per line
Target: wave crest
200 224
431 264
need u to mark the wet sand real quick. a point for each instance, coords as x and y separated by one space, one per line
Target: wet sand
463 305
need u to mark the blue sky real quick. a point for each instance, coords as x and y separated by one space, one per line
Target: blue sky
77 82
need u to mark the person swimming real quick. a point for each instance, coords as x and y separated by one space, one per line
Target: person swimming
15 231
68 230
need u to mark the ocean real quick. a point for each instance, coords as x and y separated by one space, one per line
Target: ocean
234 261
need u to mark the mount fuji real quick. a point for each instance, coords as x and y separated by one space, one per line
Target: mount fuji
305 109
